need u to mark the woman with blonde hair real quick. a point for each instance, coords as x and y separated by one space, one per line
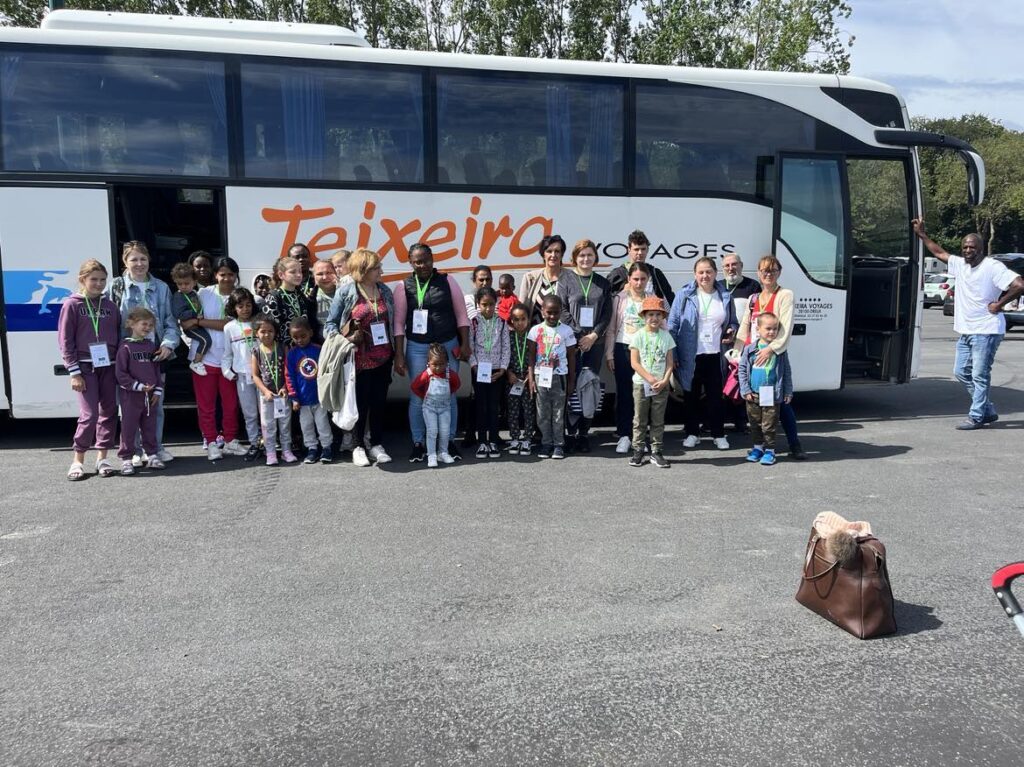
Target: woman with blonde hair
363 310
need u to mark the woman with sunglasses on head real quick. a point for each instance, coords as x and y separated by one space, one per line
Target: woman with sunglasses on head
779 301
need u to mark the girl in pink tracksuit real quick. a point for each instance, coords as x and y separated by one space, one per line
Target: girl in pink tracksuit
88 331
138 376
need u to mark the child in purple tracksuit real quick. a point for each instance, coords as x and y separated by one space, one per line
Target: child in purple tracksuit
138 376
88 332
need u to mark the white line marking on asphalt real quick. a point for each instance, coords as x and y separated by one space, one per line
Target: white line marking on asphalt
27 532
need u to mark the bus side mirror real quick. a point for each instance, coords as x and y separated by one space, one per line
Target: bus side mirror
975 176
969 155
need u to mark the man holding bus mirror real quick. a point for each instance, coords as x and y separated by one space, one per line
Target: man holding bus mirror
983 287
658 285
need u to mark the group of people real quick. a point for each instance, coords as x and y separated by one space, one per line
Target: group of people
534 355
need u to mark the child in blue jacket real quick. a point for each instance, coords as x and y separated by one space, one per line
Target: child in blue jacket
764 387
300 374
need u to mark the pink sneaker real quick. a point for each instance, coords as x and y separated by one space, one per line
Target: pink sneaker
271 458
288 456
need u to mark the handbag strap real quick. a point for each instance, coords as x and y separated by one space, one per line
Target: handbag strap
811 548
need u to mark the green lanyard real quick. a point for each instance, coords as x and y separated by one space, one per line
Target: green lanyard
373 303
421 291
648 348
705 308
586 290
550 341
275 371
198 311
293 302
94 316
489 325
520 351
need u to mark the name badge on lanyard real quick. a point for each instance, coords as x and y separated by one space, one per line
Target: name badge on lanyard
586 316
766 396
100 355
648 390
419 321
379 333
483 372
517 389
545 374
280 407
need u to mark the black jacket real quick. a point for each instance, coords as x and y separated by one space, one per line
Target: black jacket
662 288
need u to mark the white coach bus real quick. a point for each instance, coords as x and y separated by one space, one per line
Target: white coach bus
244 137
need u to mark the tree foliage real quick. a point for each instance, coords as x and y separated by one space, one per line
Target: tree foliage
788 35
1000 218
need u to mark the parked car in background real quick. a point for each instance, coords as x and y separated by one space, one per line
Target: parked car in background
1013 312
947 304
936 287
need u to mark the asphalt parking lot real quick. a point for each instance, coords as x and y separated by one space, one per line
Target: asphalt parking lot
519 612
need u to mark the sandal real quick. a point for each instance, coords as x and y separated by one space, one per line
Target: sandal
127 469
76 472
105 468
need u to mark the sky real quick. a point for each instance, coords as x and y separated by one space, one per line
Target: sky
946 57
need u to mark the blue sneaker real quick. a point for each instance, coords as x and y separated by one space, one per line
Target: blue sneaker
768 458
754 454
969 424
991 418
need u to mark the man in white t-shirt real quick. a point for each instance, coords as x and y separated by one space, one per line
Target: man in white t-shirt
983 287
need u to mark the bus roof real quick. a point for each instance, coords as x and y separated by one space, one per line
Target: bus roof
328 43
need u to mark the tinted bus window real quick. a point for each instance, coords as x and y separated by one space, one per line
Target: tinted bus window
91 113
529 132
696 139
332 123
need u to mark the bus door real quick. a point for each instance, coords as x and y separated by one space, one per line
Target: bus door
46 232
810 236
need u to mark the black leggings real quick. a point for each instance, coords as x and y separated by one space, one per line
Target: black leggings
707 378
371 400
486 398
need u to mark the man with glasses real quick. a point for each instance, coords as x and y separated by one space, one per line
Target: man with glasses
983 287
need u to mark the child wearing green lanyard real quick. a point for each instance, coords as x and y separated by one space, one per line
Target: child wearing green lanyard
650 354
489 357
268 375
552 375
185 305
765 389
519 404
287 301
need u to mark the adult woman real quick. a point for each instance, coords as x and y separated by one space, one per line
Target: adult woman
202 262
213 385
624 322
587 309
429 308
366 306
702 321
137 287
538 284
779 301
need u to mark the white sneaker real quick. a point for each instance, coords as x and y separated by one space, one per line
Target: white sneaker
138 461
721 443
379 455
359 457
155 463
445 458
164 455
623 445
198 368
692 440
431 460
213 453
234 447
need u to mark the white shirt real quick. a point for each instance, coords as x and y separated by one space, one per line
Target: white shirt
710 318
976 288
213 309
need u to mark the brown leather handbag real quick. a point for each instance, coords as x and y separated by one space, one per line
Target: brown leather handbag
852 592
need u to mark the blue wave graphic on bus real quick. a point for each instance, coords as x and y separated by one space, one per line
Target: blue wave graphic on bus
32 298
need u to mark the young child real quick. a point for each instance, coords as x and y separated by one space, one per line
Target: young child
185 305
764 387
436 386
287 302
552 375
650 354
260 289
488 359
236 364
300 375
268 375
88 333
138 376
506 296
520 400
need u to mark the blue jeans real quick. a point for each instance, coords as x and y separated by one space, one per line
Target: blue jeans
416 360
973 368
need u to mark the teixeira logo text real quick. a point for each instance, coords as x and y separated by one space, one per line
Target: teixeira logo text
474 237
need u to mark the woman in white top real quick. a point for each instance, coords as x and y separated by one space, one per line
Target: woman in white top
213 385
625 322
703 322
779 301
540 283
